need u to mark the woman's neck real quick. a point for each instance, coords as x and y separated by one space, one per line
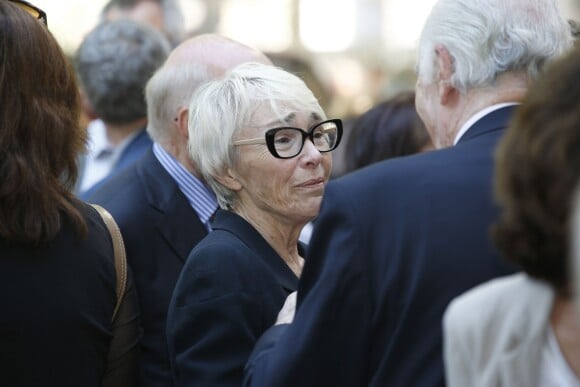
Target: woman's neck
282 235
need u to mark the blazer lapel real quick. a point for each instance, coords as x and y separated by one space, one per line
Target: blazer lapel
516 366
180 225
177 222
237 225
525 341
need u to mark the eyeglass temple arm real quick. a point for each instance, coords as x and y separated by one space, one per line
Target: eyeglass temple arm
257 140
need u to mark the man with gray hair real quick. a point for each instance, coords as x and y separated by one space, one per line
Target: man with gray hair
114 63
395 242
161 203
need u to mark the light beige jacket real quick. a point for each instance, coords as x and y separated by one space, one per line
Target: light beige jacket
494 333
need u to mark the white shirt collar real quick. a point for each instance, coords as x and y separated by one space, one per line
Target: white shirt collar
477 116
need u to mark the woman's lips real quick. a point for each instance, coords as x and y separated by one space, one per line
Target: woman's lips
313 183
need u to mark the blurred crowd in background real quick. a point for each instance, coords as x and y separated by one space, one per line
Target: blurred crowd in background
352 53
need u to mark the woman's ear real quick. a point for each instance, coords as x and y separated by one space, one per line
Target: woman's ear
229 180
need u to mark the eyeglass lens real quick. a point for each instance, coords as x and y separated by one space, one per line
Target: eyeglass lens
288 142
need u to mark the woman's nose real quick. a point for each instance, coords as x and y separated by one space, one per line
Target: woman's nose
311 153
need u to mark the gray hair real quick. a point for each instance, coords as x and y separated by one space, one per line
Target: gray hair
173 20
169 89
486 38
222 108
114 63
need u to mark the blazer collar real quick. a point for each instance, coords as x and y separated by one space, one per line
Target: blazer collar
133 150
177 222
496 120
235 224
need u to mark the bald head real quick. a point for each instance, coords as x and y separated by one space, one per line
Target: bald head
216 52
191 64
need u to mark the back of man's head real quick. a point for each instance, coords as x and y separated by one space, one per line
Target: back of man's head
114 63
194 62
486 38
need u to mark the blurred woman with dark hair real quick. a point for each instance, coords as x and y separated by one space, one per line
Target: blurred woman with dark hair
390 129
57 274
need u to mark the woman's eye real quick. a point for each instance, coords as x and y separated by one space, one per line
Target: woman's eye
283 140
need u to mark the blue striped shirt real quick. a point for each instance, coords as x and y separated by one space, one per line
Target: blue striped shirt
200 197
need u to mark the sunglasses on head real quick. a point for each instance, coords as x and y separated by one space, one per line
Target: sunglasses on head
36 12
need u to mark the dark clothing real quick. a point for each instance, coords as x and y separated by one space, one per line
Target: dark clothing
393 244
57 304
132 152
230 291
160 228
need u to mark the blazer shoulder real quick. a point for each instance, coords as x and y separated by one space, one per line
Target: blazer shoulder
220 251
217 268
116 186
502 303
124 197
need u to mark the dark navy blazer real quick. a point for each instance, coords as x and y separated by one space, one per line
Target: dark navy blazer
160 228
393 244
132 152
229 292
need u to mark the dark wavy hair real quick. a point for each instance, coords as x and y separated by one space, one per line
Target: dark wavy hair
390 129
40 137
537 168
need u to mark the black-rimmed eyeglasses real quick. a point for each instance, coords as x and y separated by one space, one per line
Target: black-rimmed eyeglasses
36 12
287 142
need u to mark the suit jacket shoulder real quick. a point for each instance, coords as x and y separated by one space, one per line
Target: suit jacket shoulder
494 333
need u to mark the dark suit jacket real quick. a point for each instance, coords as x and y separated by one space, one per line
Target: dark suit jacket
132 152
229 292
393 244
160 228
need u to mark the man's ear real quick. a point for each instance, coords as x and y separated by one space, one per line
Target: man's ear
87 106
229 180
181 122
445 67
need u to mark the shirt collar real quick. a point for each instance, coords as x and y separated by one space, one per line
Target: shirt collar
477 116
199 196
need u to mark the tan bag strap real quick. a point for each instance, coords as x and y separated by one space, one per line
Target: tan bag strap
119 252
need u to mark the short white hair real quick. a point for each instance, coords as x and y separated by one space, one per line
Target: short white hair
486 38
222 108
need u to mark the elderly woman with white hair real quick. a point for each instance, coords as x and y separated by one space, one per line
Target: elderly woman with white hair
262 143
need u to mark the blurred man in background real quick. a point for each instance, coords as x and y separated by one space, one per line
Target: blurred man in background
114 63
